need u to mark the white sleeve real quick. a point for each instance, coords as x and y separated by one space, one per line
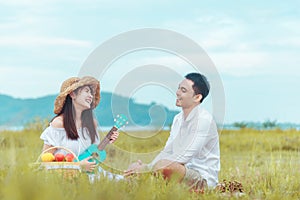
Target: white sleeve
53 137
167 151
195 141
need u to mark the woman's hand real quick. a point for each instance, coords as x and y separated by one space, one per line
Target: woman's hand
87 166
114 136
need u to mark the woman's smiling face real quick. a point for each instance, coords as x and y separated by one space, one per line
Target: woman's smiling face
82 98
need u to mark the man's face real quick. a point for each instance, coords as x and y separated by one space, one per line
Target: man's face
186 97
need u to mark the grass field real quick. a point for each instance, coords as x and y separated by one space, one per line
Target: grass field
267 163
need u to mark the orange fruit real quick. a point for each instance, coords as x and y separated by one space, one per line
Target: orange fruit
47 157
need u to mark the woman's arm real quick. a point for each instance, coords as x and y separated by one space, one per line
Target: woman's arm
46 146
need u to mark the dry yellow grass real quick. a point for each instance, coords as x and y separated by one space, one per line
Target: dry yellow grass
267 163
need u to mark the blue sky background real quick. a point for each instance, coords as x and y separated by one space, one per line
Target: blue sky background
255 46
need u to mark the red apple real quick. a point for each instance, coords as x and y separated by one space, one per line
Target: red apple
69 157
59 157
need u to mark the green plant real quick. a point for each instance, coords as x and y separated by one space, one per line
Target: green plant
240 125
259 160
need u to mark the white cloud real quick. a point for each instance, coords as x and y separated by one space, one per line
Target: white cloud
25 28
220 20
27 82
22 40
257 63
290 42
258 39
242 48
171 61
19 2
239 63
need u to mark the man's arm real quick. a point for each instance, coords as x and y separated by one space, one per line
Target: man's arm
194 141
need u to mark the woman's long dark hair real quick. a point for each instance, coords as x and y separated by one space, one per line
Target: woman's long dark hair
87 120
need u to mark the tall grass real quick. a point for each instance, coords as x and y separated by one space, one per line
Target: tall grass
267 163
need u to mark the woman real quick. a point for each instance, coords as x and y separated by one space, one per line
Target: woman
74 125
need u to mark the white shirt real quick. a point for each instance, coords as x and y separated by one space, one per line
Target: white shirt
58 137
194 142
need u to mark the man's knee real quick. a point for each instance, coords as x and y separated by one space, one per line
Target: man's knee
162 164
170 169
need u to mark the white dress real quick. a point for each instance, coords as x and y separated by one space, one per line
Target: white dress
58 137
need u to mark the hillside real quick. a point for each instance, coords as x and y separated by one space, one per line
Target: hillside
17 112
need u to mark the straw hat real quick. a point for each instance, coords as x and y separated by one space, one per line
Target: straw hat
72 84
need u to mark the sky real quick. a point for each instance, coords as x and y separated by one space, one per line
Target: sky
254 45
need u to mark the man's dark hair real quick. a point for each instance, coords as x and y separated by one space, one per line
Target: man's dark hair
201 85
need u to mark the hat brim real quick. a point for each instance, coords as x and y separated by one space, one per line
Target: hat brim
79 82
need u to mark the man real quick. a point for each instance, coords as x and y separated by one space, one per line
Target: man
192 150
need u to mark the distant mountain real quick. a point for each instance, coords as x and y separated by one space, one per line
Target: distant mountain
17 112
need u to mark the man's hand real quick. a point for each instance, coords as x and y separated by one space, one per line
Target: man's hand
134 168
